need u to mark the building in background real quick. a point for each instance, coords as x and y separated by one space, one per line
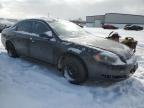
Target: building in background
114 19
95 21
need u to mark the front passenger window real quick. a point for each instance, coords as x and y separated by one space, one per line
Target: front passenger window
39 28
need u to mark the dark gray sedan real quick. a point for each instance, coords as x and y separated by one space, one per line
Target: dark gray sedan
79 55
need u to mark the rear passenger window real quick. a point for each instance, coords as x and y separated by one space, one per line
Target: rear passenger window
39 27
25 26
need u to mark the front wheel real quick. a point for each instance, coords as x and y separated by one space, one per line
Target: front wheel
74 70
11 50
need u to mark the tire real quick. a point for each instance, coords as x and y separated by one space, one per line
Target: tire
74 70
11 50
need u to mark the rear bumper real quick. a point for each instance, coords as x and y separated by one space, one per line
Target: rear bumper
111 72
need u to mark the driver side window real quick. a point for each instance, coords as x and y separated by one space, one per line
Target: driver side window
39 27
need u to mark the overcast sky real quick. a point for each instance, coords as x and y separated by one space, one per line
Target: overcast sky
68 9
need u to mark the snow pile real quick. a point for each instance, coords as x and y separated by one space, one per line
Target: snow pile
25 83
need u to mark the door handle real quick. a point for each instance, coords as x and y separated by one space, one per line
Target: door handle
32 40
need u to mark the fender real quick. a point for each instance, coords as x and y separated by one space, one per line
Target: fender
70 51
74 50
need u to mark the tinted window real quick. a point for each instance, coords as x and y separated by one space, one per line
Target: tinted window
24 26
39 27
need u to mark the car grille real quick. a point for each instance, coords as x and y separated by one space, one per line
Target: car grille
114 76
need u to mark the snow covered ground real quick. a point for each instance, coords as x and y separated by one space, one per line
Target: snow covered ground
26 83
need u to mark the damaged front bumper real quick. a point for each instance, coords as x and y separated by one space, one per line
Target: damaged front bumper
112 72
126 73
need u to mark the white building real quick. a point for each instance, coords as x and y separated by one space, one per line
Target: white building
115 19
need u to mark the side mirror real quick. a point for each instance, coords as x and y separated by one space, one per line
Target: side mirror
46 35
49 33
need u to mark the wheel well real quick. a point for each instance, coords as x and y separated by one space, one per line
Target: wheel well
8 43
61 58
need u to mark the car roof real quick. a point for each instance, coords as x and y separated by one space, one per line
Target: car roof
43 19
47 19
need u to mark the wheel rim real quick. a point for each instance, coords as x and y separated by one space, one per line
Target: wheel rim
70 73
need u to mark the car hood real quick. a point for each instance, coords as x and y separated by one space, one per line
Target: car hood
105 44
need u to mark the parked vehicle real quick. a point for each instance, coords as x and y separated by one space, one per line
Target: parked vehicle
79 55
133 27
2 26
109 27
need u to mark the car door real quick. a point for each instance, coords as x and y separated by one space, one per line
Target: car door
22 36
41 48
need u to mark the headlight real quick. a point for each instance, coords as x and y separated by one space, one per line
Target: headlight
108 57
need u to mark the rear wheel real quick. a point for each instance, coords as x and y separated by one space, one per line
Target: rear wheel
74 70
11 50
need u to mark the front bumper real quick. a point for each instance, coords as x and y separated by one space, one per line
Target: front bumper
100 71
122 74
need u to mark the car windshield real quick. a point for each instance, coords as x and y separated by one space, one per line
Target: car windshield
66 29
